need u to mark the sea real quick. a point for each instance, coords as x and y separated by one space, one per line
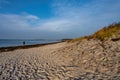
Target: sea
19 42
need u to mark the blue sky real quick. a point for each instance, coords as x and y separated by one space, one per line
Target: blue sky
53 19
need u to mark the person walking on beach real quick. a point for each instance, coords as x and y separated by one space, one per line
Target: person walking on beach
23 43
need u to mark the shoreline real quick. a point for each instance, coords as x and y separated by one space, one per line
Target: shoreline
12 48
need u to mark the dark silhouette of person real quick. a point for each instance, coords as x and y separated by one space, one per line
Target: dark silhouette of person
23 42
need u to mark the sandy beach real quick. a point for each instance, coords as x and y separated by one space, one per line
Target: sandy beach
83 60
40 63
59 39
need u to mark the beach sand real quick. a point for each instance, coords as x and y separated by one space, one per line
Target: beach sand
85 60
35 64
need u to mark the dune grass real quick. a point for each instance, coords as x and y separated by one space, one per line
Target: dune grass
107 32
102 34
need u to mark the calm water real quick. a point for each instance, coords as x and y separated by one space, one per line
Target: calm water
18 42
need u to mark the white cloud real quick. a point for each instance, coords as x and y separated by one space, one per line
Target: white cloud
32 22
14 22
90 15
71 19
56 25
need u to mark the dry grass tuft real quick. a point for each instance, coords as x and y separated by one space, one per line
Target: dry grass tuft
102 34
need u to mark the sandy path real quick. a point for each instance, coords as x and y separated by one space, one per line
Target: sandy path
41 63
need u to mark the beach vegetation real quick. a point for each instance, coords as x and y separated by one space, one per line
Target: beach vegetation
102 34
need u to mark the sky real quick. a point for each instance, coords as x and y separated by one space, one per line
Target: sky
55 19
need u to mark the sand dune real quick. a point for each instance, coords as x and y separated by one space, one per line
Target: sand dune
83 60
